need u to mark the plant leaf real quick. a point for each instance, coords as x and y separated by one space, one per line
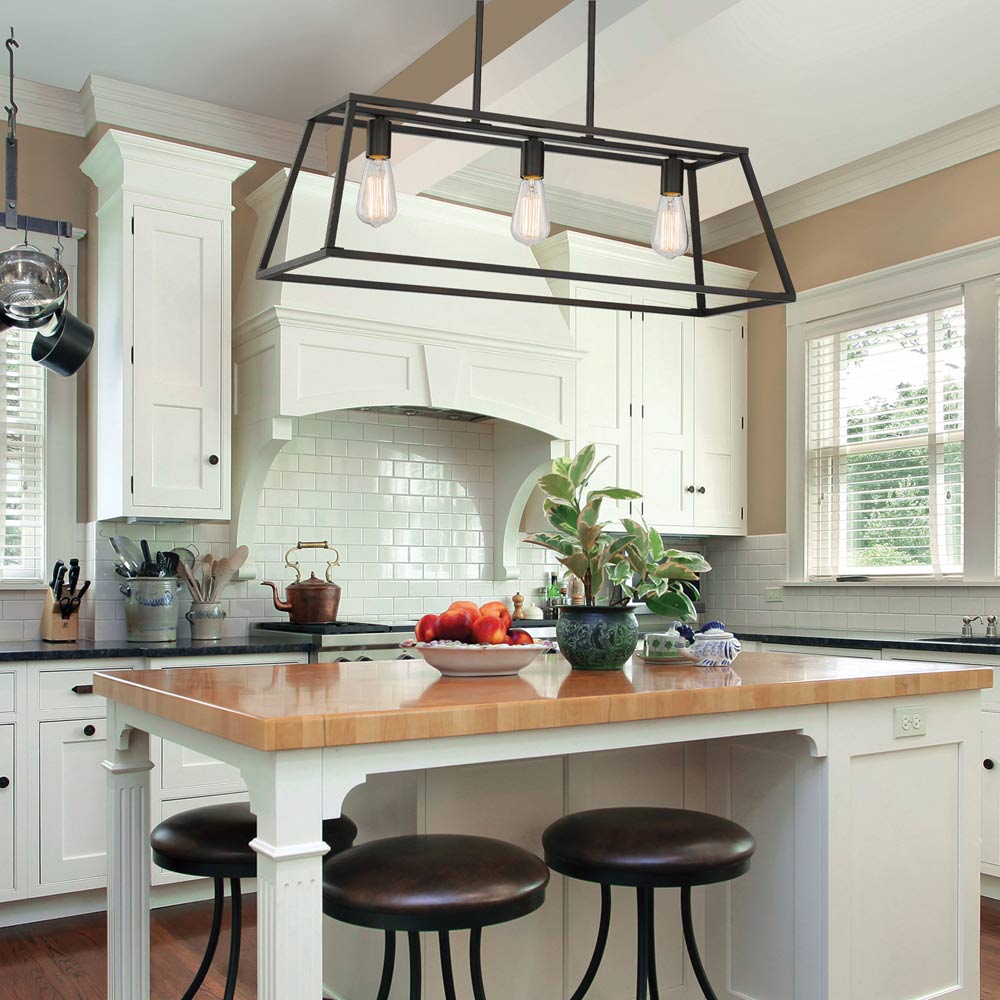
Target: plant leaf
576 563
556 486
580 466
615 493
672 603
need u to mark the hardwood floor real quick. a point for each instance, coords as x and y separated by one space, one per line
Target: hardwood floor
64 959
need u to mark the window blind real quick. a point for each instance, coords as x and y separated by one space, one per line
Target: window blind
885 430
22 484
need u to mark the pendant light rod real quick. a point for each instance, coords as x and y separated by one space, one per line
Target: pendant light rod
477 72
591 61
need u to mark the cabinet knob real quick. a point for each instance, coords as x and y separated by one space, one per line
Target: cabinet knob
701 489
213 459
4 781
989 764
89 730
690 489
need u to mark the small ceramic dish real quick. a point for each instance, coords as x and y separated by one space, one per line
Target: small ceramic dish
458 659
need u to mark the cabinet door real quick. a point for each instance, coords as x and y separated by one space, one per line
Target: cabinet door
666 375
604 394
990 841
719 424
7 808
178 321
72 822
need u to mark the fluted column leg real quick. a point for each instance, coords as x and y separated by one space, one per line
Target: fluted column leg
128 863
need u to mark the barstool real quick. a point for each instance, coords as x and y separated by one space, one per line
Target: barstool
433 882
648 849
214 842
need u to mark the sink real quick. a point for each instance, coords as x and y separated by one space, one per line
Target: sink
976 640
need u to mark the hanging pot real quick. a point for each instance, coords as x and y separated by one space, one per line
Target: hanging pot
33 286
65 349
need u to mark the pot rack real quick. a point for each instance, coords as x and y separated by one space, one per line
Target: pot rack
12 219
488 128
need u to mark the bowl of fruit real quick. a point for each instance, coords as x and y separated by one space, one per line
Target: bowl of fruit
468 640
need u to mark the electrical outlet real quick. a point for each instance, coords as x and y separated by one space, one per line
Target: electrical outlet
909 721
774 595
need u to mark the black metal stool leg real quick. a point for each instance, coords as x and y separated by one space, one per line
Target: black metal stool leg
213 941
476 962
692 945
236 908
654 989
642 936
388 966
415 975
446 971
601 944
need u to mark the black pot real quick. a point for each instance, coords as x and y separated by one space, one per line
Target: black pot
68 346
597 637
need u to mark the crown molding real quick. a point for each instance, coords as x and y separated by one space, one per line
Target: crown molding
496 191
52 108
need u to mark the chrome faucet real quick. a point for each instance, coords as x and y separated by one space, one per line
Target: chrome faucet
991 626
967 625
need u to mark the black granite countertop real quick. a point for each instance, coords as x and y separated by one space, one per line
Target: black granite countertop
84 650
868 640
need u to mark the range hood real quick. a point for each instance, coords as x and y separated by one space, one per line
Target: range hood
438 413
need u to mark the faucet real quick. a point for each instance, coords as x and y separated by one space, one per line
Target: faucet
967 624
991 626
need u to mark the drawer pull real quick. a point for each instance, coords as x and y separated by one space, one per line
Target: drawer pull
989 764
89 730
82 689
4 781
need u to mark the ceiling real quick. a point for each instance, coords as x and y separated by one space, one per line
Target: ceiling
278 59
806 84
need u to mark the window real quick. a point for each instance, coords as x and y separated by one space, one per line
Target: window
23 481
885 432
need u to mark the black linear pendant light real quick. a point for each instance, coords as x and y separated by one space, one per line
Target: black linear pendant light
674 161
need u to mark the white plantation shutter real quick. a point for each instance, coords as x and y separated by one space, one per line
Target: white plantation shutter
22 484
885 430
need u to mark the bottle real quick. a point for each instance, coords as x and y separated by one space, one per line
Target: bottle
552 596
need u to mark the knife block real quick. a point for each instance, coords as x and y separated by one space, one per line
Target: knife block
53 627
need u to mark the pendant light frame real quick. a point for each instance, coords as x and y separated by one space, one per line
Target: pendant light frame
488 128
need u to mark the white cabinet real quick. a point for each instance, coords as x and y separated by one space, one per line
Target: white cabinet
72 822
8 784
990 841
160 379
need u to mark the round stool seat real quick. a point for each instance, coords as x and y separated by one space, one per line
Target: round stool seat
432 882
214 841
648 847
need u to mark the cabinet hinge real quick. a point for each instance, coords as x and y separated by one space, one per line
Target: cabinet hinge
743 332
133 225
743 423
131 484
741 513
132 355
642 411
630 409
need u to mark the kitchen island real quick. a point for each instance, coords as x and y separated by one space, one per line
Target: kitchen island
865 885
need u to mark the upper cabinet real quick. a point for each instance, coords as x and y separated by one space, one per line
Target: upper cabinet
160 385
662 397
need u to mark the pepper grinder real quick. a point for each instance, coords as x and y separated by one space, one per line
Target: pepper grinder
518 601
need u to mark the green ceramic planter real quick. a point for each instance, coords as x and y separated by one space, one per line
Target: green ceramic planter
597 638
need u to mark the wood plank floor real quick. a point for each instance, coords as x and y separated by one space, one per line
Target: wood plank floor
64 959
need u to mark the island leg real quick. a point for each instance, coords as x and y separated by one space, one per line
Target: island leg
286 793
128 766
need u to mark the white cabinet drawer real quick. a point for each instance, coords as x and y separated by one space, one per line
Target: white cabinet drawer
7 806
182 769
71 816
8 691
61 690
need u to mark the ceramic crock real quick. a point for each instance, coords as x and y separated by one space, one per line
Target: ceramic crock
595 637
151 608
206 618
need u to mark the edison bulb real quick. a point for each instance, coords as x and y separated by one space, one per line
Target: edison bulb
670 230
530 222
377 194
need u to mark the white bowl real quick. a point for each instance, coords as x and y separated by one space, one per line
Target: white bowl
462 660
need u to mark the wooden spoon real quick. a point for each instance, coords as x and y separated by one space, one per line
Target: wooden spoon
205 564
189 579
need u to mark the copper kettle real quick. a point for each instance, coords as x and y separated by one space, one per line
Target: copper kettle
309 602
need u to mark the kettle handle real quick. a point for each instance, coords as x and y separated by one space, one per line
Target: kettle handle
312 545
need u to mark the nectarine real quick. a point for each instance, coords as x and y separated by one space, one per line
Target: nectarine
520 637
469 606
455 624
489 631
427 628
496 609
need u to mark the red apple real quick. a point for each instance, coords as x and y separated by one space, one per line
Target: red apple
455 624
427 628
489 631
469 606
520 637
496 609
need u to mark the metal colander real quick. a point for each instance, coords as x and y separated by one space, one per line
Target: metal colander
33 285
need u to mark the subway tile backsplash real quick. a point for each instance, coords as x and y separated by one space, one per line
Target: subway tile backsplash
407 501
744 568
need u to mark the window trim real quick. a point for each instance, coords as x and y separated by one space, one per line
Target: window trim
974 269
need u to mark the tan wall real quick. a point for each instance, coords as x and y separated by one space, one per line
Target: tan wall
943 210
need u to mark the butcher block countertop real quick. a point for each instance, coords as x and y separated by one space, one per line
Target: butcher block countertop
341 704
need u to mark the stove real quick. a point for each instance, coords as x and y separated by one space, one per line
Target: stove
345 641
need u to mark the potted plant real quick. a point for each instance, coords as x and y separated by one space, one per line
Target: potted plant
596 636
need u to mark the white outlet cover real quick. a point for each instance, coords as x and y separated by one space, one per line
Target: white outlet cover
775 595
910 720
